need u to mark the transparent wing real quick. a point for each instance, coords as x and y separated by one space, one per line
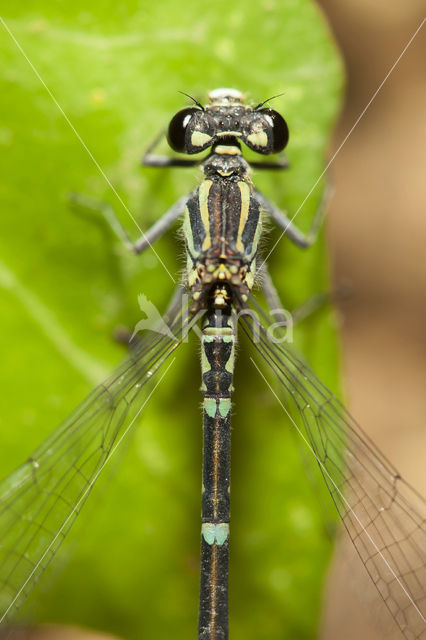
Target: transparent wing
41 499
383 514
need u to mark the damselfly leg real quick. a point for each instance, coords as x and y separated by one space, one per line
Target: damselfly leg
147 239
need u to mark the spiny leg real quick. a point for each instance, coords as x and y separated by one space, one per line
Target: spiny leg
280 164
302 240
81 201
278 311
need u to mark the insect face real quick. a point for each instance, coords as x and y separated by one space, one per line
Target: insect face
225 120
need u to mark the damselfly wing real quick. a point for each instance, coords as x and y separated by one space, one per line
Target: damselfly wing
41 499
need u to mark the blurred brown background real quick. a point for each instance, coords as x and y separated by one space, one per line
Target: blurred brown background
377 238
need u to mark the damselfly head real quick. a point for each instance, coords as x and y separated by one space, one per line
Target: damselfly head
226 120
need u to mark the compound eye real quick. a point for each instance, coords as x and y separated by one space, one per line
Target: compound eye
176 134
278 130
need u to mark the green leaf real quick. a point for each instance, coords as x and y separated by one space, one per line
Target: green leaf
109 76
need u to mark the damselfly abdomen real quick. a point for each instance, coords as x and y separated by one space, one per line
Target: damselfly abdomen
222 220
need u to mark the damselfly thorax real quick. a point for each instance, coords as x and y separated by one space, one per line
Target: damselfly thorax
222 223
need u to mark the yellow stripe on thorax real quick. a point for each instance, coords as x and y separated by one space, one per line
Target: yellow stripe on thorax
203 198
188 233
245 204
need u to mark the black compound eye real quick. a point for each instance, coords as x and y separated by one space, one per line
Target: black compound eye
279 133
177 129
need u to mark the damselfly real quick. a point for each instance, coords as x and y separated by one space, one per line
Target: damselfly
222 224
